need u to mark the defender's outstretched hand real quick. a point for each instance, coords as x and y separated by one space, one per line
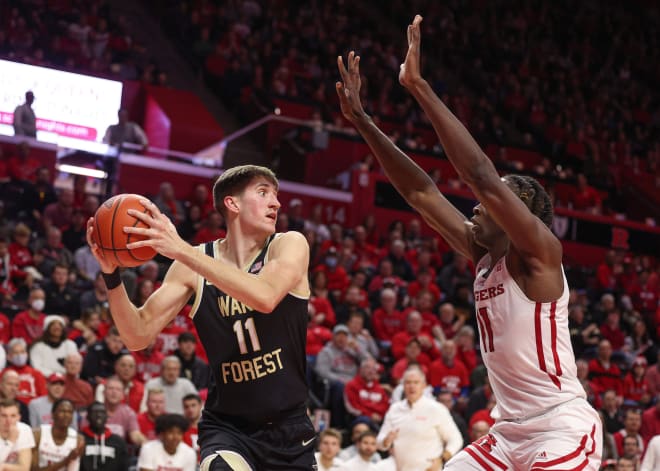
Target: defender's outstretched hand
409 73
349 88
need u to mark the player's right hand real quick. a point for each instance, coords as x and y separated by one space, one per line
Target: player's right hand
409 73
107 266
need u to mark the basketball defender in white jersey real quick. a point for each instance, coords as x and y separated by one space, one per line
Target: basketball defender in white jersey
543 420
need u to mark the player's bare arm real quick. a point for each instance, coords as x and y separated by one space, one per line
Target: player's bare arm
407 177
139 326
529 236
286 270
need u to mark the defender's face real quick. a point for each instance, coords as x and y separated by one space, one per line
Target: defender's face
484 228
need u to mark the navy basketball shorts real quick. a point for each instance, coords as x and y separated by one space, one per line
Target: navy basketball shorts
287 444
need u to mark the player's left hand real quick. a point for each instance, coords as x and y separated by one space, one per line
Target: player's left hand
161 235
348 89
409 73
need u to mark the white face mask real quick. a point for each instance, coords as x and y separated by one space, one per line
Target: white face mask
38 304
20 359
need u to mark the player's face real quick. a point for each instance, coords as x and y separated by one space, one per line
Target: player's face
329 447
484 229
63 416
259 204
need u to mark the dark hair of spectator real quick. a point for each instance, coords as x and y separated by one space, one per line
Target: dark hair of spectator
191 396
60 401
166 422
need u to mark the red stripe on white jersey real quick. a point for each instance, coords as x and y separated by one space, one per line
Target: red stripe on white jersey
539 343
553 336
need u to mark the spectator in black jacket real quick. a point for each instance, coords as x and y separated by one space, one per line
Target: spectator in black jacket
192 367
104 451
101 357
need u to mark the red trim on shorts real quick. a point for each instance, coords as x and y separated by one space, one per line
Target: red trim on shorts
478 459
570 456
539 344
488 456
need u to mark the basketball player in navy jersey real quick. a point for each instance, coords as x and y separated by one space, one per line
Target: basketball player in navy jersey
250 310
543 421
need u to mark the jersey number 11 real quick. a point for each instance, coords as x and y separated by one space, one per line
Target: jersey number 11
252 332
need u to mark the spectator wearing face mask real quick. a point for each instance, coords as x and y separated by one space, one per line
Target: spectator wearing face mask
32 383
29 324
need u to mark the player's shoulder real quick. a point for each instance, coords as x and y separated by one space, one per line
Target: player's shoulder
289 237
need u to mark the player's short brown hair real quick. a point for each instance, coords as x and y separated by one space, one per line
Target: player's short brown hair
234 180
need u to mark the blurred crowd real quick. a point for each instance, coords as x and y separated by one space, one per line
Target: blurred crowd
380 303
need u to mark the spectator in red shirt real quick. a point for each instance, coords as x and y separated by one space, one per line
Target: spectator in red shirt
652 376
651 422
423 304
5 329
29 324
211 229
60 214
603 373
148 362
192 411
20 253
364 396
413 355
449 322
367 254
611 330
585 197
466 349
387 320
317 334
337 278
605 274
635 387
10 275
21 166
414 325
155 408
424 282
76 390
384 279
126 372
324 314
447 372
632 423
32 383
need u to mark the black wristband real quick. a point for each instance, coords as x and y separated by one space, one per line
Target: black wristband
112 280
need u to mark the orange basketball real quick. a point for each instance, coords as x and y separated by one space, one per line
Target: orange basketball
109 222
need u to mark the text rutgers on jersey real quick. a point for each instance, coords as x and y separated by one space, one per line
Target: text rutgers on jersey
254 368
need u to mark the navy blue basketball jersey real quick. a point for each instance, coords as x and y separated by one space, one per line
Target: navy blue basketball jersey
258 360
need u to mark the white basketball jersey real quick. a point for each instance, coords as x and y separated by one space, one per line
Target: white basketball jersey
50 452
525 345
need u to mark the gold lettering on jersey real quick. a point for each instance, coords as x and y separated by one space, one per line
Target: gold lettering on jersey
232 307
250 370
